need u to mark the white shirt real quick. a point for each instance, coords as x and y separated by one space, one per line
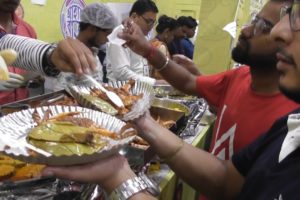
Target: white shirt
123 64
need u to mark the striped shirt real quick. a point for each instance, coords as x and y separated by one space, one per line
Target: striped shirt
30 51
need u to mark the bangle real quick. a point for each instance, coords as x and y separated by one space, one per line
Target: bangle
169 157
151 53
164 66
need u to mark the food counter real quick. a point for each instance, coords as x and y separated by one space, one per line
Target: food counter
192 129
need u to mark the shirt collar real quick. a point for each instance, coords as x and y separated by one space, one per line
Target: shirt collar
292 139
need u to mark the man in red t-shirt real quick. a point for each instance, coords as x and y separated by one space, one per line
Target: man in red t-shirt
11 23
247 99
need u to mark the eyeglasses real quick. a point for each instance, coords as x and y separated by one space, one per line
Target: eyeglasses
261 26
294 15
149 22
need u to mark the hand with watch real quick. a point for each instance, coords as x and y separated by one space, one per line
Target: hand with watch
69 55
113 174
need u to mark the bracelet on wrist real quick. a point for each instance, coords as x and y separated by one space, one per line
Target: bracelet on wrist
169 157
133 186
48 66
164 66
151 53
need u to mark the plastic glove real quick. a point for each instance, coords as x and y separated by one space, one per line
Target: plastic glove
15 81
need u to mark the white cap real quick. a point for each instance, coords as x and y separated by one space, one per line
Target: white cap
98 15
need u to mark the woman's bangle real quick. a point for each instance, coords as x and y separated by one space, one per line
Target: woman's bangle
169 157
164 66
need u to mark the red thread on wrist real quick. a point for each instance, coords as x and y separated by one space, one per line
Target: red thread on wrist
151 53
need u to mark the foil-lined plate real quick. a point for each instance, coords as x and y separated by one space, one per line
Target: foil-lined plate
15 127
139 108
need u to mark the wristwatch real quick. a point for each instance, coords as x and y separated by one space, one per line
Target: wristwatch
134 186
48 66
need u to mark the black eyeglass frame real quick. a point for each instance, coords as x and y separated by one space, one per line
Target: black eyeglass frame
261 25
149 22
291 11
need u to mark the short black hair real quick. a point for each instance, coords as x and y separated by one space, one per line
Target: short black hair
188 21
142 6
165 22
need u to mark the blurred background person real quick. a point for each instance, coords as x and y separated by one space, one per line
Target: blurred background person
165 35
188 25
97 22
15 88
122 63
176 47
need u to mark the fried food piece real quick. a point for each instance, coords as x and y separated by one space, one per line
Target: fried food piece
61 116
139 146
6 160
36 117
27 172
6 171
139 140
67 101
104 132
168 124
128 130
123 92
84 122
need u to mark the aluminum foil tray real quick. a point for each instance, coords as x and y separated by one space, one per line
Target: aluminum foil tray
15 127
139 108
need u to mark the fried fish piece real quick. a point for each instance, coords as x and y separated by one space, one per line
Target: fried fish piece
27 172
6 171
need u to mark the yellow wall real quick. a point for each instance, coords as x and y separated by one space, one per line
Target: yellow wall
212 49
46 19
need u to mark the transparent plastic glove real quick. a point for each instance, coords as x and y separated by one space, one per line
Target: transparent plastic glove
15 81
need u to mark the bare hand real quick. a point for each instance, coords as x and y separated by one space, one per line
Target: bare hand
71 55
187 63
108 173
135 38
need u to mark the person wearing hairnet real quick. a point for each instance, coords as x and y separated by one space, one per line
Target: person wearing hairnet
96 22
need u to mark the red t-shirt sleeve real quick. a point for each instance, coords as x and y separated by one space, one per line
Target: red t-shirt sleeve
213 87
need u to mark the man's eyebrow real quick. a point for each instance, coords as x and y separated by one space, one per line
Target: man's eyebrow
267 21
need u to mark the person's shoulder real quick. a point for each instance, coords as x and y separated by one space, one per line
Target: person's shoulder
26 27
241 70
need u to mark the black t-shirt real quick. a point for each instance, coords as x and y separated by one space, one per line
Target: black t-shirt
265 177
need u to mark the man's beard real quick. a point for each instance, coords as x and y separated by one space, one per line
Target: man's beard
241 55
92 42
291 94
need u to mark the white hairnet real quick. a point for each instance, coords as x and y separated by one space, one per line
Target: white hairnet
98 15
